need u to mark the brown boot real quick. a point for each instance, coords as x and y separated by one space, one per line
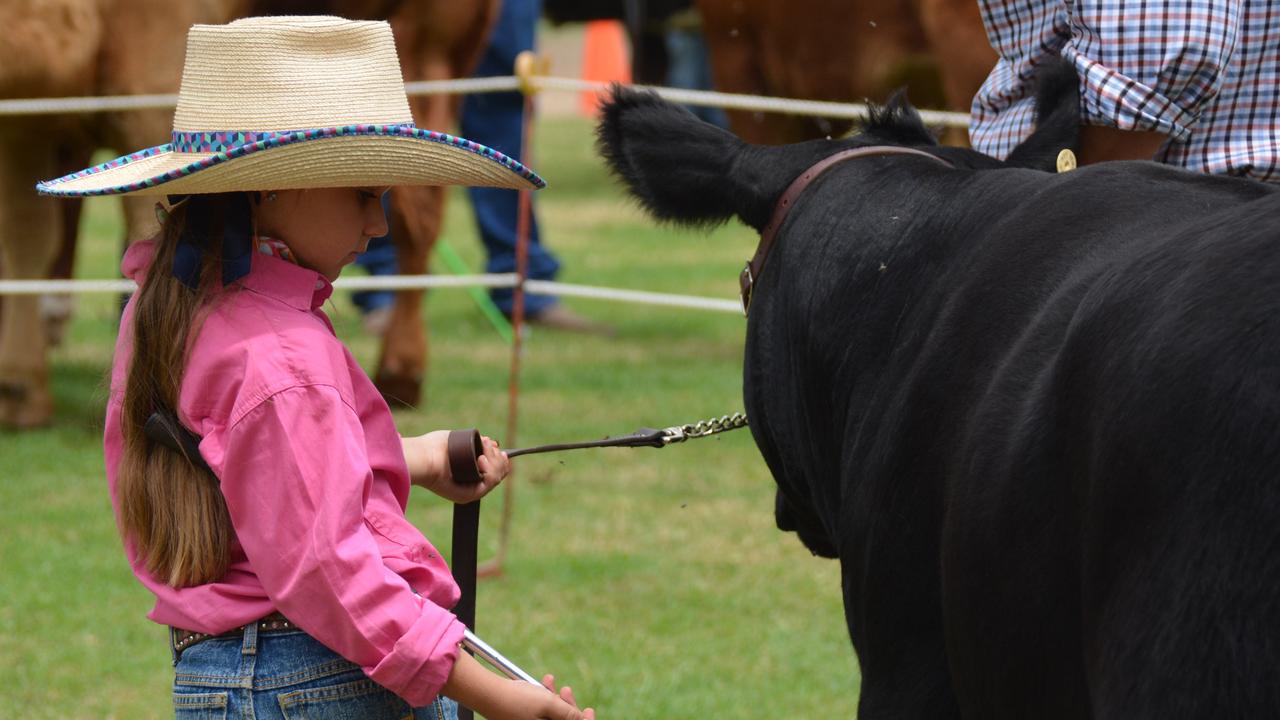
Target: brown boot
559 317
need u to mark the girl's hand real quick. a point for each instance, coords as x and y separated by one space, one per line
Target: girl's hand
428 459
522 701
566 695
498 698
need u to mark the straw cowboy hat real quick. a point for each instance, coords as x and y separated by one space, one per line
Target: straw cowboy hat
275 103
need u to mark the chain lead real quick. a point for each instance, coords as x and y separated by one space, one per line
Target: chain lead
703 428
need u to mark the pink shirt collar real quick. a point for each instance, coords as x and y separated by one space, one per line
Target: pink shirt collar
269 275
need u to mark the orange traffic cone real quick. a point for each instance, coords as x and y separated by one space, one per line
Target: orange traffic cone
605 58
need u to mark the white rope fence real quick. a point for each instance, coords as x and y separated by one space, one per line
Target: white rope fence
412 282
641 297
757 103
536 83
729 101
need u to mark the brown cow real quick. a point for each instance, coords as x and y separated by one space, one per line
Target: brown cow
843 51
54 48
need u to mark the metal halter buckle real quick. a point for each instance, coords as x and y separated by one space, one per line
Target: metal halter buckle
745 281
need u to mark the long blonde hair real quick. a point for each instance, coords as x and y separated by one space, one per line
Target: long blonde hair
171 510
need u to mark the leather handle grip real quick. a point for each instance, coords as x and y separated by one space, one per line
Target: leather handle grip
465 450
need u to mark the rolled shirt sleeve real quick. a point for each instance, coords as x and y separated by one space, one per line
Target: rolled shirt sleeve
1150 65
301 495
1142 65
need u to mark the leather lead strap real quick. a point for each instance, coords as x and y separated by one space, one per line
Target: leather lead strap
789 197
465 556
465 448
464 560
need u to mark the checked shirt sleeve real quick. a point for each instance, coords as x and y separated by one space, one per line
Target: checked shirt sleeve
1150 65
1143 65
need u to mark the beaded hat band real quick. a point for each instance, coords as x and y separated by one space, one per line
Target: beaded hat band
276 103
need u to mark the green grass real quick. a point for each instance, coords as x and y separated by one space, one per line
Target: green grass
653 581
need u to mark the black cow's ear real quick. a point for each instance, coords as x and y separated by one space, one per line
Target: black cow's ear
1057 118
898 122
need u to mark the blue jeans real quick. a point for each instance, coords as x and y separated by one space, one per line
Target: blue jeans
283 676
688 67
496 120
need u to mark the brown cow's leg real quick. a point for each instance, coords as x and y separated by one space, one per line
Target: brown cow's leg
415 224
56 308
437 40
28 247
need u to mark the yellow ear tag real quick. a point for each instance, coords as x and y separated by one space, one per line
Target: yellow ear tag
1066 161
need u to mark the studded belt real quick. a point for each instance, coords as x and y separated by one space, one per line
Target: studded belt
183 639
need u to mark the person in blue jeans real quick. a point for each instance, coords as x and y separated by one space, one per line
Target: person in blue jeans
496 120
687 63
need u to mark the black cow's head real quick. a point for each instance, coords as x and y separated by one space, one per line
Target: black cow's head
685 171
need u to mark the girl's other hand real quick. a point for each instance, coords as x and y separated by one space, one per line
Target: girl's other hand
428 459
499 698
522 701
566 695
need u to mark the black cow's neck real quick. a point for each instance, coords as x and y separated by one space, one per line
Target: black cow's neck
782 206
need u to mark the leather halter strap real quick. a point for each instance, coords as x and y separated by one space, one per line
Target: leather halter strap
752 270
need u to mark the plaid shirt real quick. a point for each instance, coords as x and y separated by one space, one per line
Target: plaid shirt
1204 72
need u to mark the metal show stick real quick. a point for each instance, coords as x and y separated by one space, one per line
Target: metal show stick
484 651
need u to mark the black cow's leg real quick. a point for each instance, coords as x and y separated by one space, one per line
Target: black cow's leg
897 633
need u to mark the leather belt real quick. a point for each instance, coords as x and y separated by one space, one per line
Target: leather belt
183 639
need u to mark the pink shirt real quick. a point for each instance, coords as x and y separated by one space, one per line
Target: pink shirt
314 476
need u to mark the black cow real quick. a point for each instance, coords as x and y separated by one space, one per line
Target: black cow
1036 416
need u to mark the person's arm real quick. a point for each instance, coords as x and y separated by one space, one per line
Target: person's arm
1099 143
499 698
427 457
1130 103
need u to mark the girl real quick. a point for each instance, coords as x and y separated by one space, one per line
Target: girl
291 581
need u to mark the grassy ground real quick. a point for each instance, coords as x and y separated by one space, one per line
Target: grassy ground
653 581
